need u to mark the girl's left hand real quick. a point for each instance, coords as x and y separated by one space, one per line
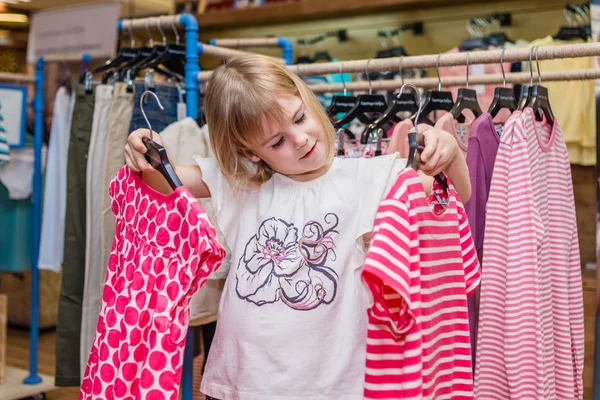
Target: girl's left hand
441 150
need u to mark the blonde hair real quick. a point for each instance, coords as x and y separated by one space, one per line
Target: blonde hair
243 94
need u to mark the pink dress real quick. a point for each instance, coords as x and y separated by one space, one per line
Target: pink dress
164 250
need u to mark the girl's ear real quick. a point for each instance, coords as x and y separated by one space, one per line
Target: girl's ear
250 155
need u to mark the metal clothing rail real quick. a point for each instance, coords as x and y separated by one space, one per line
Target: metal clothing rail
222 52
517 77
282 42
450 59
192 68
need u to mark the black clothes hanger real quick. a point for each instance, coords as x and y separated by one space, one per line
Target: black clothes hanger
498 39
402 103
539 100
341 104
478 43
573 31
322 56
416 143
466 99
526 90
365 103
156 154
124 55
437 100
503 97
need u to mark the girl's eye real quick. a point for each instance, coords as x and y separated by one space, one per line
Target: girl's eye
278 144
301 119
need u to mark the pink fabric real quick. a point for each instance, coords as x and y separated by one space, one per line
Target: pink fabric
448 124
164 250
485 94
420 268
531 333
399 141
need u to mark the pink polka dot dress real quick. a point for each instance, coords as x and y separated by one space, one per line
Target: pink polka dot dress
164 250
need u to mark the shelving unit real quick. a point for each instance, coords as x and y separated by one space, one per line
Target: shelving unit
307 10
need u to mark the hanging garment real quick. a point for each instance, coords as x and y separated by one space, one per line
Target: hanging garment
485 94
572 102
481 157
164 250
460 131
399 141
119 118
298 250
94 271
17 227
55 184
420 269
4 148
17 175
531 333
159 118
68 326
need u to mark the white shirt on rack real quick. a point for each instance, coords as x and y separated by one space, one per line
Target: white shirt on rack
55 193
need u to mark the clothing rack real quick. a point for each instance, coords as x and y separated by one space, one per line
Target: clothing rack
517 77
192 68
443 60
282 42
38 132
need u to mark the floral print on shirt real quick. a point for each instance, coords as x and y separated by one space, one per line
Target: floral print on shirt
281 264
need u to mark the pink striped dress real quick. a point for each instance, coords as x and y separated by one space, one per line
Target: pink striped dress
420 269
530 338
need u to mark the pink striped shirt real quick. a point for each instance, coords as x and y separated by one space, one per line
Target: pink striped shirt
530 338
420 269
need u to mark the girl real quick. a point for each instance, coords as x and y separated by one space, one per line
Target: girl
292 319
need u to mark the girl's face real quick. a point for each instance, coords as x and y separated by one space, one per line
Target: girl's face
295 146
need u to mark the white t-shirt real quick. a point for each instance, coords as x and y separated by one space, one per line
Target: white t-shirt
292 318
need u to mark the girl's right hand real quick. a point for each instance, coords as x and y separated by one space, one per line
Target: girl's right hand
135 150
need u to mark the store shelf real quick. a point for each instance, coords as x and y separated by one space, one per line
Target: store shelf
306 10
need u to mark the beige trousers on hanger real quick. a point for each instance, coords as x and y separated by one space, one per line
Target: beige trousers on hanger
92 293
119 118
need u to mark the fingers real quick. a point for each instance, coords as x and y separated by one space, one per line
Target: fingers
135 150
431 144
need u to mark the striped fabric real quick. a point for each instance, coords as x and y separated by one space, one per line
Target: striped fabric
4 149
530 339
420 269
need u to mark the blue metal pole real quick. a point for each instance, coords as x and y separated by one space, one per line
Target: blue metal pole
288 49
191 99
191 64
38 133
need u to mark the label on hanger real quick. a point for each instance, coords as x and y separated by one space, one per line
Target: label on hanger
461 131
478 70
499 128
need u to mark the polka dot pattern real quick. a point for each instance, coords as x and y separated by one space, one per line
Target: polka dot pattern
165 248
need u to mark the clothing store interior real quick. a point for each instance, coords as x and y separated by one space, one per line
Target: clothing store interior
144 254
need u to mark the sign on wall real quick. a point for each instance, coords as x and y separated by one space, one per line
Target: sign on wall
89 29
13 103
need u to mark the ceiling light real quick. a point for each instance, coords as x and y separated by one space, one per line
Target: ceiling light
16 18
